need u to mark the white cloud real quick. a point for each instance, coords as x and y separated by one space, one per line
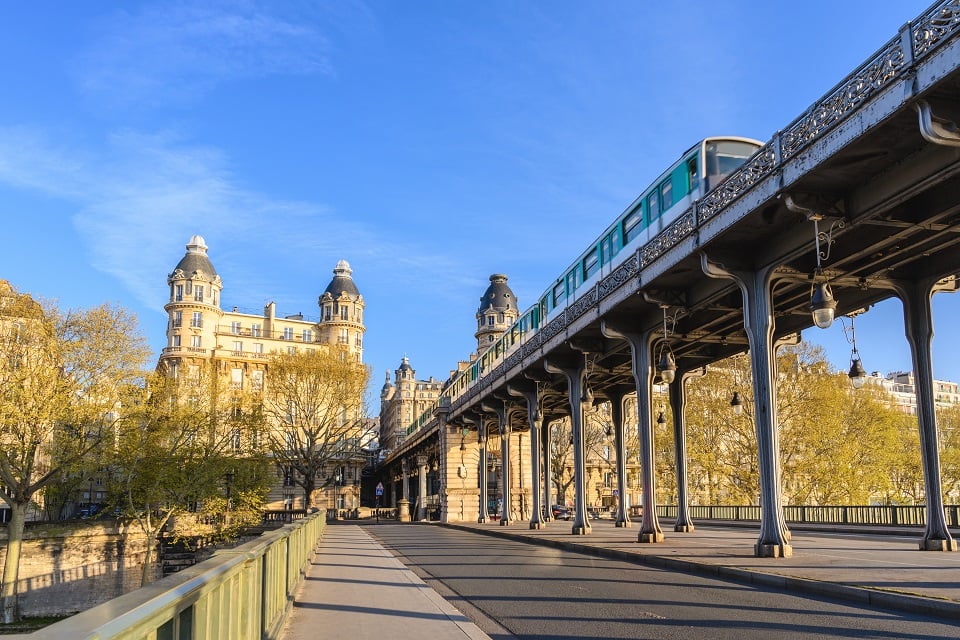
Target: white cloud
173 52
141 198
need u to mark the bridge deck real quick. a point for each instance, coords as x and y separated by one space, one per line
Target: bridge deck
355 588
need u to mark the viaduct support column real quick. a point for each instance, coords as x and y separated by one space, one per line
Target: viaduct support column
918 321
575 372
535 419
545 439
678 401
758 322
482 470
501 411
617 400
640 348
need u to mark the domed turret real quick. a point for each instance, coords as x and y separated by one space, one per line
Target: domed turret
342 282
196 262
498 310
194 306
341 311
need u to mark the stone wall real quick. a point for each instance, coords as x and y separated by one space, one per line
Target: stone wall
67 567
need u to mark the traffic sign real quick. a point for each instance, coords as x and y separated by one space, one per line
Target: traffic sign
379 489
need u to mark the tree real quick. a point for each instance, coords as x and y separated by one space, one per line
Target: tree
948 421
61 374
175 453
314 414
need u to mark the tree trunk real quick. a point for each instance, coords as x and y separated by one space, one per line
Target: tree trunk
11 568
147 576
308 486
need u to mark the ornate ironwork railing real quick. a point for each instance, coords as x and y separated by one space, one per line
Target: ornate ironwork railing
867 515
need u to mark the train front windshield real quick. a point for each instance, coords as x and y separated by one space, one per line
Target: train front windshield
725 157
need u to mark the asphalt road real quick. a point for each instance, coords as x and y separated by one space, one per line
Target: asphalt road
516 590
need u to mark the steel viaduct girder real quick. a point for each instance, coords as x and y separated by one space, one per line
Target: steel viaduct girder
869 154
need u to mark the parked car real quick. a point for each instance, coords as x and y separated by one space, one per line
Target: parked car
560 512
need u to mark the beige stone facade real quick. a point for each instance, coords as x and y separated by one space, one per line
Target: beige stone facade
239 345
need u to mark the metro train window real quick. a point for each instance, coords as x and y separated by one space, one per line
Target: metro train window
666 194
590 264
631 224
573 280
559 293
693 176
653 205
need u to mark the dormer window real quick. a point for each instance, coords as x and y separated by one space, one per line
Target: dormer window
198 293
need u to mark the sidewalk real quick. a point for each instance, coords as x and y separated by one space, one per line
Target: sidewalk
887 571
356 589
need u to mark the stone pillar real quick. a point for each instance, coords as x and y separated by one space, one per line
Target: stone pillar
404 504
678 401
574 371
918 321
774 540
423 468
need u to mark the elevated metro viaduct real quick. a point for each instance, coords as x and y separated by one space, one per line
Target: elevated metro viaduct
874 165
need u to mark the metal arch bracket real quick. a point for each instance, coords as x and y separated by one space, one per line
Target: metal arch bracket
937 130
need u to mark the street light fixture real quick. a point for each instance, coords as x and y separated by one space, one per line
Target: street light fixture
857 374
737 403
666 364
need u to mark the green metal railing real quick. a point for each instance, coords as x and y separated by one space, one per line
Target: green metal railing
867 515
242 594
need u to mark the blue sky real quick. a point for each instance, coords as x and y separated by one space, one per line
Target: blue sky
430 144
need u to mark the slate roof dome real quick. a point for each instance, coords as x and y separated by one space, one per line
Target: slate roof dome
498 295
342 282
196 259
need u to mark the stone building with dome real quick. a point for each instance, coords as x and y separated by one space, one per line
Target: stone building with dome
497 312
402 401
200 331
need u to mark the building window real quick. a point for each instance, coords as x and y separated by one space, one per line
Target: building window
177 319
174 369
344 336
175 341
292 351
344 313
236 378
256 379
235 328
307 335
359 341
287 333
490 321
258 347
197 320
237 346
235 439
195 342
213 294
178 295
255 330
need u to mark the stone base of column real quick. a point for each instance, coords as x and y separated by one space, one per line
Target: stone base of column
403 508
581 531
505 523
938 545
621 524
538 525
656 536
483 520
683 528
772 550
